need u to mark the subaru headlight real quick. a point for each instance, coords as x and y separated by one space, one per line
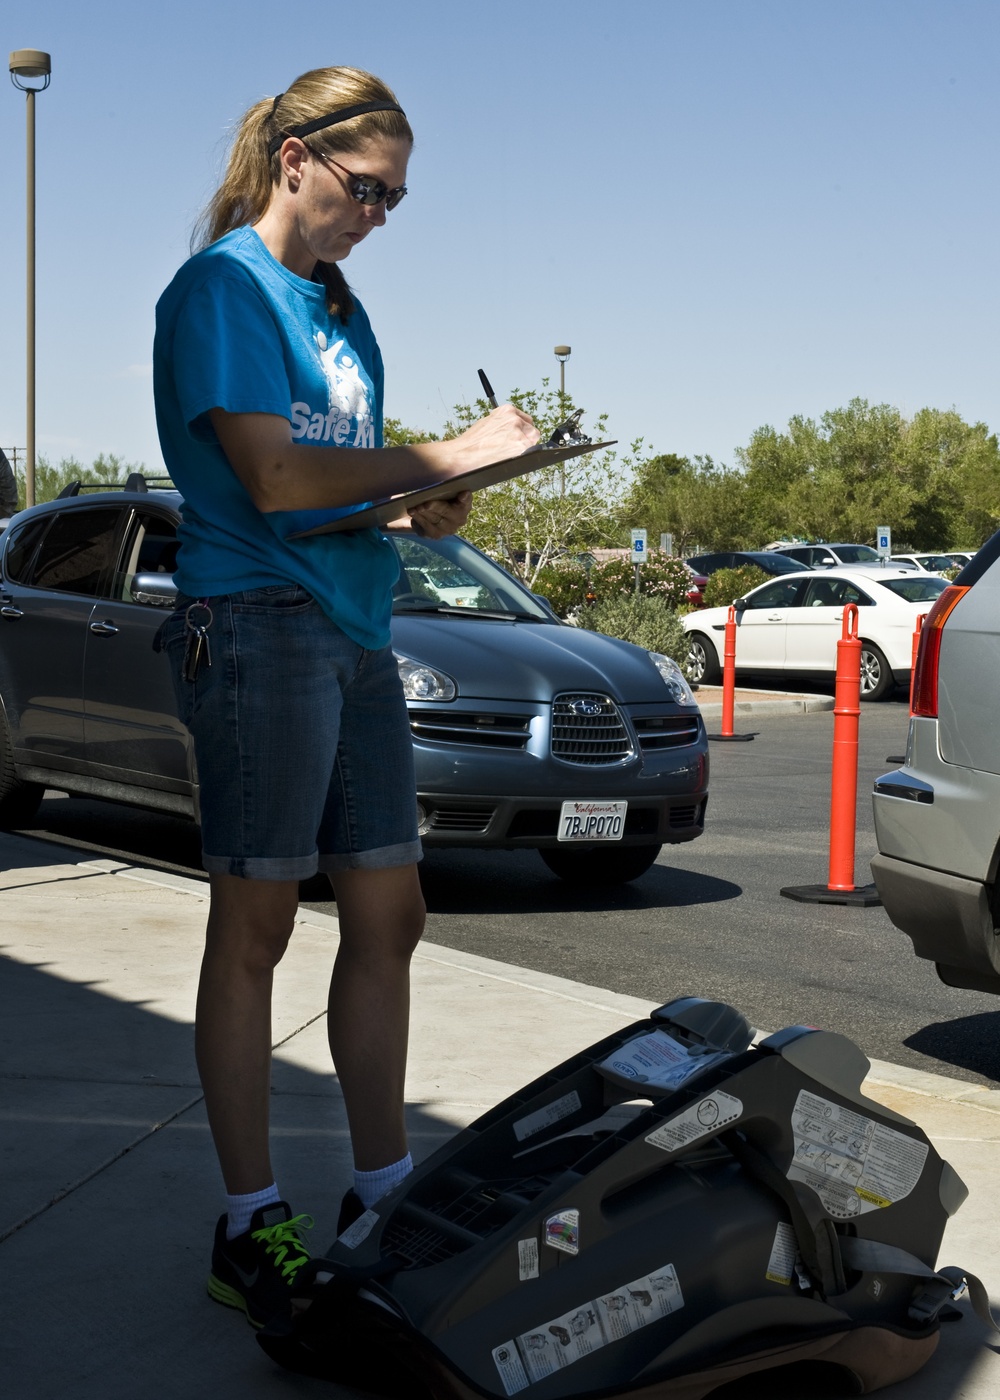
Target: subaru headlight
422 682
673 678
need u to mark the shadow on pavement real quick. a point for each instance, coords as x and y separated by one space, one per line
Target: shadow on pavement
111 1193
970 1042
516 882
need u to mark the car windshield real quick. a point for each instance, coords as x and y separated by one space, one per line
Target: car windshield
857 554
935 561
915 589
450 576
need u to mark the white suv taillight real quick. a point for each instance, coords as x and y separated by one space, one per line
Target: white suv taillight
925 679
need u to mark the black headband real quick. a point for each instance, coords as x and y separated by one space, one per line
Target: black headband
343 114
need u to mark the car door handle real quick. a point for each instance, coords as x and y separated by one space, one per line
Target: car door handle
9 610
104 629
775 617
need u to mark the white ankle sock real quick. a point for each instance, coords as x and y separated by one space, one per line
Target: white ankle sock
241 1208
371 1185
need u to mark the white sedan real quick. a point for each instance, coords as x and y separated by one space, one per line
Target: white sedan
792 625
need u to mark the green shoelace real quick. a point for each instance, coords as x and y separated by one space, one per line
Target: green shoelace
283 1242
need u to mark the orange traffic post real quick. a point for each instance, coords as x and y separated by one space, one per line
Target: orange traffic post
840 887
729 682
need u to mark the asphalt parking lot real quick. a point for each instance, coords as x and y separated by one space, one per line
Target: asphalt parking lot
706 920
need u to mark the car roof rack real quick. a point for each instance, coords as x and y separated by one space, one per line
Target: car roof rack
135 481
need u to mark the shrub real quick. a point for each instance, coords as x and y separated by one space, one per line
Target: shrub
563 583
661 576
726 585
647 622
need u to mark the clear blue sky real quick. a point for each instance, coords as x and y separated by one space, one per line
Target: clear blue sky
732 210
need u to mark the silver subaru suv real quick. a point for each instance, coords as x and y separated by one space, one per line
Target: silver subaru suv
937 819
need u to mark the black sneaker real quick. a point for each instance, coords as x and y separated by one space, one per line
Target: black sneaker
351 1209
255 1270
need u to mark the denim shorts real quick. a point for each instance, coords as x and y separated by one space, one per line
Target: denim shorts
302 740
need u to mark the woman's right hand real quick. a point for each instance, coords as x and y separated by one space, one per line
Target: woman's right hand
504 432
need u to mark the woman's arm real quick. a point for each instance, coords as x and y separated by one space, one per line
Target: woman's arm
280 474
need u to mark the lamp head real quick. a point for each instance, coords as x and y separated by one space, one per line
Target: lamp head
562 352
30 69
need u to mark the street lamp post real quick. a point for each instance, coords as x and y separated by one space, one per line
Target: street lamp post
30 70
562 354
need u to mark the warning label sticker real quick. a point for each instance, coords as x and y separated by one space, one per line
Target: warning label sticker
527 1259
544 1117
658 1059
852 1163
550 1346
508 1363
710 1114
358 1232
781 1264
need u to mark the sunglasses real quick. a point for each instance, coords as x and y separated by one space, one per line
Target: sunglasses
366 189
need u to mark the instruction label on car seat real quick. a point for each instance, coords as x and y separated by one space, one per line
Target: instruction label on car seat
853 1163
552 1345
527 1259
657 1059
781 1264
707 1116
544 1117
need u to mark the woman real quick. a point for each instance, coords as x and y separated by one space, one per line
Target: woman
268 385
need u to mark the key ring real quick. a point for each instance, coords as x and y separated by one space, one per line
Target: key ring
196 626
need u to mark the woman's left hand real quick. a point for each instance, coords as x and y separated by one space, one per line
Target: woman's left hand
435 519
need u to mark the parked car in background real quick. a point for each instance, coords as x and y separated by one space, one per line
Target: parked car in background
695 594
790 626
527 733
937 818
926 563
771 563
833 556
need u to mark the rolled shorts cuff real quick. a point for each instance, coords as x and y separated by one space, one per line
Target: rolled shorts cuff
382 858
262 867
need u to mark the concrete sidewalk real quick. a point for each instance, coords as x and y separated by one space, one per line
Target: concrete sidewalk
110 1186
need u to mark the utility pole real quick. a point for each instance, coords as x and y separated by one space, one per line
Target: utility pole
35 65
562 354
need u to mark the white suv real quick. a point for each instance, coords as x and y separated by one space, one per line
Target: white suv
937 819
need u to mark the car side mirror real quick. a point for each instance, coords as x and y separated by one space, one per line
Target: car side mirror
155 590
741 604
546 604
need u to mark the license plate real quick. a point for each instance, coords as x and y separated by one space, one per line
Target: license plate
592 821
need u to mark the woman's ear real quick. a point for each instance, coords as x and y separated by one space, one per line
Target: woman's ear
294 156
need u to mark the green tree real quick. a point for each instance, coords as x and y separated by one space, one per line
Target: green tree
703 504
108 469
395 434
528 522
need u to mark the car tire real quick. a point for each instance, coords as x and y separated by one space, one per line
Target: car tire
600 865
19 801
877 679
703 660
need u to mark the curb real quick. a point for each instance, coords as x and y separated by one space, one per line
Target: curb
937 1086
786 702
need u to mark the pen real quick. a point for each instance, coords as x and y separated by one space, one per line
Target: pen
491 398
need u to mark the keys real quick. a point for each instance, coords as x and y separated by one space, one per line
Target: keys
198 650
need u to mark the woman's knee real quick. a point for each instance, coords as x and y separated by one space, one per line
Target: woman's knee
250 922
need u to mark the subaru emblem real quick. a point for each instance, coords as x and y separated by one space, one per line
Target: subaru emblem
586 708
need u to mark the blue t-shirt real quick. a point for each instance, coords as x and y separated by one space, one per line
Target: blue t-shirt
237 330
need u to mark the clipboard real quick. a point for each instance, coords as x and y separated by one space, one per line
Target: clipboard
382 512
